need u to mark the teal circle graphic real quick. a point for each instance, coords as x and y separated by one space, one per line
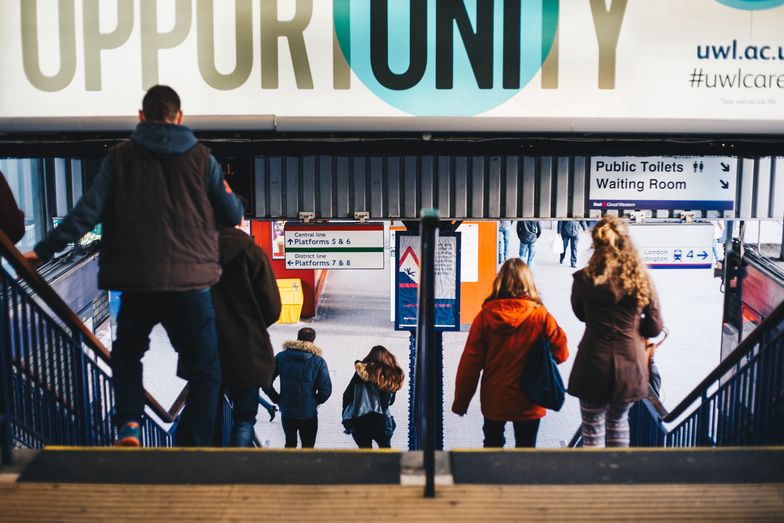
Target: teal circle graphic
537 30
752 5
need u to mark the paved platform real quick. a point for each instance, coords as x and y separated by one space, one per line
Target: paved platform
354 315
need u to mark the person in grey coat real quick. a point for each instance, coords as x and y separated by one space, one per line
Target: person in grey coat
528 231
570 233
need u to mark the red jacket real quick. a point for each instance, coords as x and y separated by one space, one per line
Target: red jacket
497 346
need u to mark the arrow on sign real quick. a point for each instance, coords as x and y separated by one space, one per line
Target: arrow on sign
724 185
290 262
703 255
290 241
725 168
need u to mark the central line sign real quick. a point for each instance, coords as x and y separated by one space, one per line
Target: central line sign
321 246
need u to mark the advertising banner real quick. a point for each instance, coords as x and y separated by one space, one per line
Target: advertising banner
489 65
447 281
659 182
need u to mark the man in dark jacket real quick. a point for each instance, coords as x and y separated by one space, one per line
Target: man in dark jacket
160 197
11 218
570 232
246 301
304 385
528 231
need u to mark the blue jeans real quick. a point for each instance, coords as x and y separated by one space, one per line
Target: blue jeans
527 252
246 406
503 248
189 320
573 240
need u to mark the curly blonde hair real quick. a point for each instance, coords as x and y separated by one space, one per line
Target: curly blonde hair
615 261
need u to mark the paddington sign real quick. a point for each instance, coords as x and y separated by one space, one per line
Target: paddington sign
573 66
659 182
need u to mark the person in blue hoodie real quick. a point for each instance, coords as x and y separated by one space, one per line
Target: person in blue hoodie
304 385
161 197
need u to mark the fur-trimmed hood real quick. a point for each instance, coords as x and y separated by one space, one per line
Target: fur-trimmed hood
304 346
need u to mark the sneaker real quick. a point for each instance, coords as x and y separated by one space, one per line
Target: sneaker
129 435
272 410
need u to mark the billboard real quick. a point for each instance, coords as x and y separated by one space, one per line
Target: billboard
489 65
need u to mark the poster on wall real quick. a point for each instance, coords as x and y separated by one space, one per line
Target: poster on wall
278 240
447 281
557 66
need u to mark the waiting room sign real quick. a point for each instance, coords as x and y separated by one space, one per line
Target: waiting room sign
663 182
321 246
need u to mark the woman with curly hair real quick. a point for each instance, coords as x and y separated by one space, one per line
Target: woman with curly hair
368 396
615 298
512 319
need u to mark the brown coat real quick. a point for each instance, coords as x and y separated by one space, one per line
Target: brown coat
247 302
610 364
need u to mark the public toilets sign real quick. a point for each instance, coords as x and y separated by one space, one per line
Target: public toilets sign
663 182
447 281
321 246
516 65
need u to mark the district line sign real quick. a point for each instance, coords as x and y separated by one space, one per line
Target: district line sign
321 246
663 182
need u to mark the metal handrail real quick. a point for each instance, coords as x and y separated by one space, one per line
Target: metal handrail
64 313
725 366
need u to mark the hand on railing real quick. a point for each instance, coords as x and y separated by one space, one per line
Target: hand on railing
33 259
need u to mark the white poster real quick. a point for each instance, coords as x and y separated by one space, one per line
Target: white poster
569 66
469 252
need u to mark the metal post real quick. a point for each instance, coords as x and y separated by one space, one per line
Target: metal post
6 435
412 442
81 396
426 354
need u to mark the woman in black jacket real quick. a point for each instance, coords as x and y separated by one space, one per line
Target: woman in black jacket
368 396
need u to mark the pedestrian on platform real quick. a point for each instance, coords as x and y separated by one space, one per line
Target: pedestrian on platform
11 218
505 230
368 396
304 385
528 231
246 302
511 321
160 196
570 233
615 298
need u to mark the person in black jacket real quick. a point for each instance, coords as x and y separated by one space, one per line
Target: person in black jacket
570 233
368 396
247 302
11 218
528 231
304 385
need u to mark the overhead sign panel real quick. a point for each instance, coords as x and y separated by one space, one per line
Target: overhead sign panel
674 246
663 182
350 246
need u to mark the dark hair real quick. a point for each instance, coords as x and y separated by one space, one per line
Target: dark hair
161 104
306 334
383 370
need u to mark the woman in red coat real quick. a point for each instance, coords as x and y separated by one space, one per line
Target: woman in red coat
511 320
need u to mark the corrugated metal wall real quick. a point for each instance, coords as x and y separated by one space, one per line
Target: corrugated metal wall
477 187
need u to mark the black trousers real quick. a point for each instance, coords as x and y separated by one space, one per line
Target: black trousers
524 431
306 428
369 428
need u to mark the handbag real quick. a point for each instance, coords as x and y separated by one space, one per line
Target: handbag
365 401
541 380
556 244
654 376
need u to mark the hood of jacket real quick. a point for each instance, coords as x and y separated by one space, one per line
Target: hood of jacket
164 139
506 314
232 242
302 346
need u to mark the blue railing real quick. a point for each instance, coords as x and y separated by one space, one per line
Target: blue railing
740 403
55 381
